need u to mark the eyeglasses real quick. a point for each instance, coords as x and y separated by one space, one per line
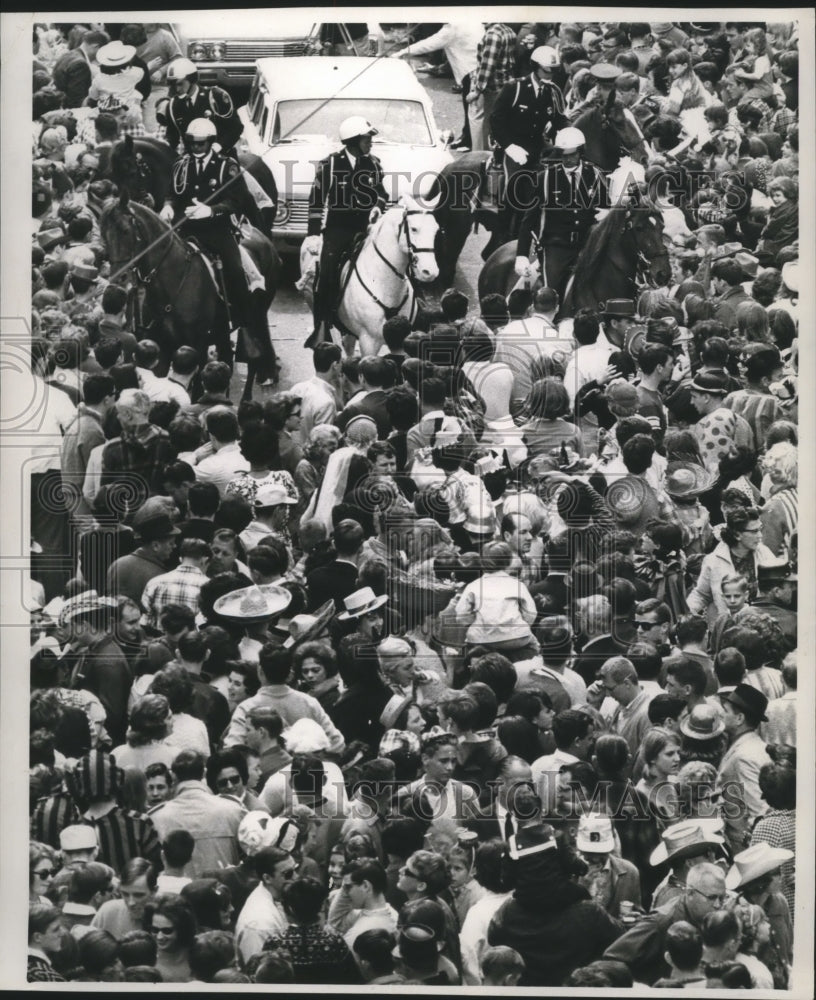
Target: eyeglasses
639 623
405 870
225 782
163 931
287 874
716 897
47 872
751 531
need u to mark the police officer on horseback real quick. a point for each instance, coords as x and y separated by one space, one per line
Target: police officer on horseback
526 116
189 102
206 190
347 195
568 196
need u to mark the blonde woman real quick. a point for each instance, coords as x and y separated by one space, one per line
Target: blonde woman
661 762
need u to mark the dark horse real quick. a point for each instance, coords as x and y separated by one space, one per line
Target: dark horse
464 204
143 168
180 294
624 250
610 135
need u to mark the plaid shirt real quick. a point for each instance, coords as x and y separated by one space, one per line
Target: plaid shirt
40 970
496 63
143 461
778 829
179 586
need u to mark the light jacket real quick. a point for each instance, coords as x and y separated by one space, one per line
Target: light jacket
706 598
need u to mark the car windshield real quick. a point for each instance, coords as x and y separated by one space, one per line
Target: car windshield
397 121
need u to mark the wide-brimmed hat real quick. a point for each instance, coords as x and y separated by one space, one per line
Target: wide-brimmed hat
303 628
686 839
50 238
595 835
86 603
79 269
253 604
754 862
154 528
748 262
394 707
618 307
703 722
360 603
272 495
115 54
749 700
687 479
417 946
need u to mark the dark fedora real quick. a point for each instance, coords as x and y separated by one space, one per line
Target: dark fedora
619 307
778 571
749 700
713 383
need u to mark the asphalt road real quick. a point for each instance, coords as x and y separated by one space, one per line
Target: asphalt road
289 318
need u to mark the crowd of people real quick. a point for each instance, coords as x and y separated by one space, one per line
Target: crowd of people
471 663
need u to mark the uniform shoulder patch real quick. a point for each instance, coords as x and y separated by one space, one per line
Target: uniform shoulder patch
232 168
221 102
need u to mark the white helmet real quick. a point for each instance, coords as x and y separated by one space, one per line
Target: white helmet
180 69
569 139
355 126
258 830
544 56
201 128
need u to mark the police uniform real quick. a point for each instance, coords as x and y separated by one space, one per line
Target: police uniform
345 190
212 103
561 219
214 180
527 113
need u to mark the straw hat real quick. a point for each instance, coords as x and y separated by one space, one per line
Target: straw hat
754 862
595 835
686 839
703 723
688 479
360 603
115 54
253 604
85 603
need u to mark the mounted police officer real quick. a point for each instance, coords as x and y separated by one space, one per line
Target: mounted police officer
189 101
526 116
347 195
207 189
569 194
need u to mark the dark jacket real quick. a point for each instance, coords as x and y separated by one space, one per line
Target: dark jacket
643 945
522 118
72 75
561 215
331 582
563 931
371 405
104 671
343 195
212 103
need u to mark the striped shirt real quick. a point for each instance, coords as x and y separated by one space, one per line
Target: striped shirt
52 813
760 409
124 834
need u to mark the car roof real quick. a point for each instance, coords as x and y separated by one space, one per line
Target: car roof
356 77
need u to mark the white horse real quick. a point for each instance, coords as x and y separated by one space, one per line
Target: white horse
398 247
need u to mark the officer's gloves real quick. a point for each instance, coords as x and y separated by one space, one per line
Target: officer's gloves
198 211
517 153
522 266
166 214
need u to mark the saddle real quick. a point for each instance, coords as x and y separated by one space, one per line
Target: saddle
254 278
346 265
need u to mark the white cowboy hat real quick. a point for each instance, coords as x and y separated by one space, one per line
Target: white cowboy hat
754 862
115 54
302 628
360 603
253 604
686 838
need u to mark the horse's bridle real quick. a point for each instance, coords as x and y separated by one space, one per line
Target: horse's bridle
413 250
643 274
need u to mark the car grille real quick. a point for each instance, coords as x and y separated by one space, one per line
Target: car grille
298 219
264 50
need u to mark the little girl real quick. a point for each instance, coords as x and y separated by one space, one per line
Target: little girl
464 888
782 227
502 605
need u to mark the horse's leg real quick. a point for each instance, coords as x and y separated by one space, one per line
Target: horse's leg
250 380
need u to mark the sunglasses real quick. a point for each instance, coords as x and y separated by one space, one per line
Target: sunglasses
407 871
228 782
47 872
643 624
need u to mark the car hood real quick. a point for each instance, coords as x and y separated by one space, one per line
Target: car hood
411 168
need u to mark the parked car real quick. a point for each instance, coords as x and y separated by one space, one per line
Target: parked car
294 112
225 49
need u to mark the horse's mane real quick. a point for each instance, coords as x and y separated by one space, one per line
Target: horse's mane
596 246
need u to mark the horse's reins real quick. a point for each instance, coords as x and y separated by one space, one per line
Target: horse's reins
413 253
643 274
147 278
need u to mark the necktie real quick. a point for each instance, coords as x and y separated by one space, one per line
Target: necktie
508 826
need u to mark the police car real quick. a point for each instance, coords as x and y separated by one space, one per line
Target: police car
294 112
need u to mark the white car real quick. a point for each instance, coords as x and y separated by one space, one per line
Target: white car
294 112
225 45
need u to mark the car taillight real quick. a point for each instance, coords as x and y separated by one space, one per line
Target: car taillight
197 51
